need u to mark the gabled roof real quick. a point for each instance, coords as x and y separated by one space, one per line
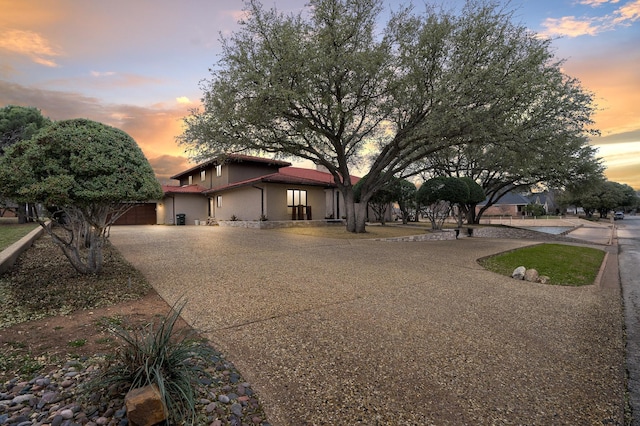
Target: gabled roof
313 175
274 178
510 198
185 189
237 158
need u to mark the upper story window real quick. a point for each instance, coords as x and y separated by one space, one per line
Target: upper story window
219 170
203 175
190 180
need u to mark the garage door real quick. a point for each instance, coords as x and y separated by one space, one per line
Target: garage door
142 214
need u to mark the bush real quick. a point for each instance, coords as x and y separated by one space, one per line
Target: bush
163 355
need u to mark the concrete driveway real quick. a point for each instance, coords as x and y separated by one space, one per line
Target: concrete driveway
334 331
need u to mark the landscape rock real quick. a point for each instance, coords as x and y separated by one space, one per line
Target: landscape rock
518 273
531 275
145 406
543 279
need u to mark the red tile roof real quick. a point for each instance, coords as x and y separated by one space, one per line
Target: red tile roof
186 189
274 178
286 175
313 174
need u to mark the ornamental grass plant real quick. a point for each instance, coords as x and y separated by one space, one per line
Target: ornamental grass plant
163 354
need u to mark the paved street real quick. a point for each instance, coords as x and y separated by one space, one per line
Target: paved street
333 331
629 260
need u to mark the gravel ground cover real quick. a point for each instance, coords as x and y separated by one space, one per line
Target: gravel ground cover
47 358
338 331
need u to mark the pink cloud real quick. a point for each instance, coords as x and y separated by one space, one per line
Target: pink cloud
596 3
30 44
574 27
154 128
570 26
628 13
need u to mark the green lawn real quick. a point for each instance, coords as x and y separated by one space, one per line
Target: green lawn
10 233
564 264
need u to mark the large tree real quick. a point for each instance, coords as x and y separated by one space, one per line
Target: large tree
19 123
601 196
324 86
561 162
85 174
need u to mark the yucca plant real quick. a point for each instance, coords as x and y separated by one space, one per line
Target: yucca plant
164 355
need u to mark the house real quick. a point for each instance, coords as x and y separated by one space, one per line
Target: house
247 188
546 200
513 204
510 204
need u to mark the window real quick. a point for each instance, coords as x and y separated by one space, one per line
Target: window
219 201
203 175
190 180
219 170
297 203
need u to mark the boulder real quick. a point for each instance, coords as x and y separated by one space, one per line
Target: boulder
518 273
531 275
145 406
543 279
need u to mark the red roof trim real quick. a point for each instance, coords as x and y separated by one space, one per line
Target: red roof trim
186 189
272 178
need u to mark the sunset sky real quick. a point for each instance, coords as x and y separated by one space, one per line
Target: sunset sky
136 64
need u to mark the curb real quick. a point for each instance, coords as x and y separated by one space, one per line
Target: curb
9 255
598 279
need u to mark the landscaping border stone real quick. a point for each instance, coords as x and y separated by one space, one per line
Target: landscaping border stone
9 255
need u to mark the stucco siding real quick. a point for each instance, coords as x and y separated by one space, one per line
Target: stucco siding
238 174
243 203
194 206
276 201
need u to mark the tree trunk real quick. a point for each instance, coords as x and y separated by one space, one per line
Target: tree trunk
356 216
350 209
471 214
361 217
82 244
22 213
476 220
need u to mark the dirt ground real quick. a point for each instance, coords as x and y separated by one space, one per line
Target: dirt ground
82 333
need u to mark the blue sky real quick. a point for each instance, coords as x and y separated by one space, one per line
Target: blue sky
136 64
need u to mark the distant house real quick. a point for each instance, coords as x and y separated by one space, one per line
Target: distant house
546 200
510 204
241 187
513 204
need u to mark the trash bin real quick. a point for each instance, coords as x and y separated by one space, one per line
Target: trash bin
181 219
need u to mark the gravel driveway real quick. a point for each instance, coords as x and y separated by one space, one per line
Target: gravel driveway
333 331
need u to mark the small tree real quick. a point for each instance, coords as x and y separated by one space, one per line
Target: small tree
439 194
86 175
19 123
533 209
468 207
405 197
379 201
